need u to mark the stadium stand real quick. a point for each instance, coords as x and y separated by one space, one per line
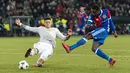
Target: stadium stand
60 9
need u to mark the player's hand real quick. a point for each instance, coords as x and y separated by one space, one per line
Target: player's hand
69 32
17 21
115 35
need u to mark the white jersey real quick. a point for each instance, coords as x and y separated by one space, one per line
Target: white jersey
46 35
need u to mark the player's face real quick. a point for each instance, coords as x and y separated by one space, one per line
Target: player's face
94 12
81 9
47 23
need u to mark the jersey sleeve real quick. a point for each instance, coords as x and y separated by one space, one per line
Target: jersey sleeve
112 27
90 19
60 35
32 29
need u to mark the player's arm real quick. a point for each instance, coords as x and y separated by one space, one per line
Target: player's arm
32 29
86 17
112 27
90 19
61 36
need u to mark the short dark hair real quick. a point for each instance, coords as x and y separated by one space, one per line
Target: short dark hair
47 18
81 6
95 7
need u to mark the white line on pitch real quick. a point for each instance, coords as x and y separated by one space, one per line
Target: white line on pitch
126 50
89 55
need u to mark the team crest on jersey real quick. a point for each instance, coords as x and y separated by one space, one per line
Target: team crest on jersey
104 16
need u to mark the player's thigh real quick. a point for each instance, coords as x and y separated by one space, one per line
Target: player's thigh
99 33
88 36
46 54
42 46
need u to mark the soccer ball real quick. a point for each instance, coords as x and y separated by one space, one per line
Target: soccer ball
23 65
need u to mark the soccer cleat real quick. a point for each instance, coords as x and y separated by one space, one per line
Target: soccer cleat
67 48
28 52
37 65
112 62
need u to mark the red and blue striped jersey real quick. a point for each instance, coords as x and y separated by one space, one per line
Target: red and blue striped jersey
103 19
82 18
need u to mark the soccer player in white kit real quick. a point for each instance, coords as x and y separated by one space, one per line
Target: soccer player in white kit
47 40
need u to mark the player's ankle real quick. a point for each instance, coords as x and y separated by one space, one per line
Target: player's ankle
37 65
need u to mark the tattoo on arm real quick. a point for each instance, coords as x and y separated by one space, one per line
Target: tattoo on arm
68 36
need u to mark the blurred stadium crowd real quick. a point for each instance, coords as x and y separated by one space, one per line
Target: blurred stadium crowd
62 12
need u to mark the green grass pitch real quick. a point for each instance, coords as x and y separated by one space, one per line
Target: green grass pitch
80 60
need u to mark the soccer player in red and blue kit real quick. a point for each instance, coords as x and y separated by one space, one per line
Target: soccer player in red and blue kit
104 23
82 18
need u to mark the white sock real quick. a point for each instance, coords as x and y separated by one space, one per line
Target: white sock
38 61
34 51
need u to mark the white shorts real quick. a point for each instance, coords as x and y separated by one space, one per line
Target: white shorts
44 49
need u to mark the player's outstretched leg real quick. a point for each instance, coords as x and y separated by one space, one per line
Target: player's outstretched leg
101 54
79 43
39 63
44 56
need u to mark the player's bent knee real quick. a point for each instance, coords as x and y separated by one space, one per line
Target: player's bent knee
88 36
45 56
93 49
